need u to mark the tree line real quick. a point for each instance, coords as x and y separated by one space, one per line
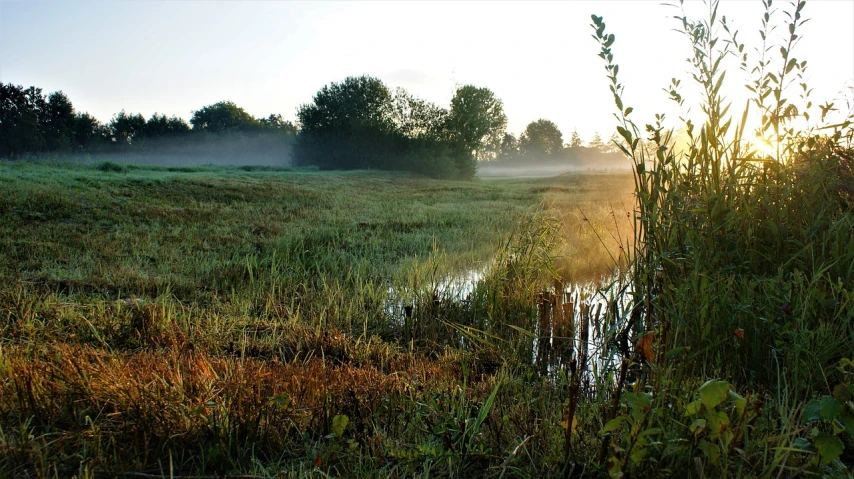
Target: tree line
34 123
357 123
542 142
362 123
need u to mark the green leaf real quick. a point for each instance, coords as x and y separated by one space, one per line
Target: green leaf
830 408
717 421
638 401
740 402
693 407
523 331
613 424
339 423
812 411
609 41
791 65
803 444
487 405
639 454
713 392
625 134
697 426
711 451
615 467
829 447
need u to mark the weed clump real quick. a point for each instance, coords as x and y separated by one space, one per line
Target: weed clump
111 167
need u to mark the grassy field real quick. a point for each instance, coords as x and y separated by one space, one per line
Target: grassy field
251 321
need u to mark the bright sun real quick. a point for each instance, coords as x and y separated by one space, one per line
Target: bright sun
764 147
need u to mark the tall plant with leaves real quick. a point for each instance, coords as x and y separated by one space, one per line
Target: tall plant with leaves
736 272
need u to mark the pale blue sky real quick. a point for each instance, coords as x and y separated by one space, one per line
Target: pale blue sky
269 57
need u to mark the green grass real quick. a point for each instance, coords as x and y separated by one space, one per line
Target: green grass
225 316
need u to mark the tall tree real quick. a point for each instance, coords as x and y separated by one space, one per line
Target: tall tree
89 132
575 141
613 141
596 142
22 119
541 139
347 125
159 125
276 123
127 127
59 122
477 120
223 116
417 118
356 103
509 148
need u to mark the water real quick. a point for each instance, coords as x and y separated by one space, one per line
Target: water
453 288
583 321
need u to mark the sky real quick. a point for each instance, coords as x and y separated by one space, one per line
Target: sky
270 57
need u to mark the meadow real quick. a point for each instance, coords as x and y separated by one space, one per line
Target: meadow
224 320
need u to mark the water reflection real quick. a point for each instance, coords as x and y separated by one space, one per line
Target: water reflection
586 322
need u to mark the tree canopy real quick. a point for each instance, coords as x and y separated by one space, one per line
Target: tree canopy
361 123
417 118
596 142
477 119
541 139
127 127
575 140
223 116
357 103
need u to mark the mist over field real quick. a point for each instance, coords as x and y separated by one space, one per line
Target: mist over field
233 149
571 160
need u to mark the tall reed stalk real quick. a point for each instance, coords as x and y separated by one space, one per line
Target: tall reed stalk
737 272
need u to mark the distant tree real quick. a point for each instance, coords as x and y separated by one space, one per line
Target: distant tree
224 116
159 125
575 141
360 123
477 120
156 126
596 142
356 103
509 148
89 132
176 125
417 118
59 122
347 125
276 123
541 139
613 141
23 113
127 127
